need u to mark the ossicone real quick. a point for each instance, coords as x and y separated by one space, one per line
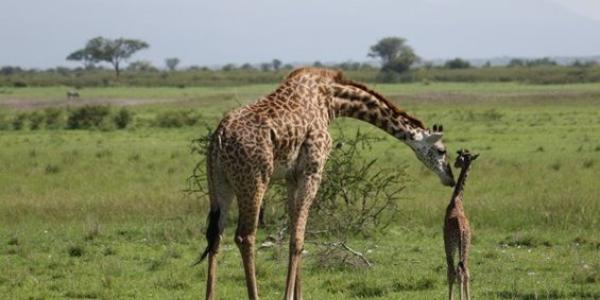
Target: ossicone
438 128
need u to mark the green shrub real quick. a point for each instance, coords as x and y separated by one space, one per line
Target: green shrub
36 119
20 84
176 119
88 117
53 118
387 77
122 118
18 122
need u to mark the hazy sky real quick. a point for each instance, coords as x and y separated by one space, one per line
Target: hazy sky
42 33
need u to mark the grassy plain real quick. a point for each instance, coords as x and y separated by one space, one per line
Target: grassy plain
102 214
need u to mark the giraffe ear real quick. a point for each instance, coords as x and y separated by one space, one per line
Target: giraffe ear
434 137
475 156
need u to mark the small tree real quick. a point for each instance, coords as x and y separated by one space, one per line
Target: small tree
172 63
9 70
265 67
515 62
394 53
100 49
457 63
228 67
247 67
276 64
141 66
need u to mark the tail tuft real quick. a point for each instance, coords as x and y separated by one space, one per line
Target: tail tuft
212 234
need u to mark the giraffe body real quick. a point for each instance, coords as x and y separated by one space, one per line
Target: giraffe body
457 231
286 134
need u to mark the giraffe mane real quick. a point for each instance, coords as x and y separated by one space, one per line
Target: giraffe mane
338 77
388 103
333 74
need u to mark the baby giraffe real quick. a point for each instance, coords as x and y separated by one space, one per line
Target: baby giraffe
457 233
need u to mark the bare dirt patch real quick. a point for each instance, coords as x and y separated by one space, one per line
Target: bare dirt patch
27 104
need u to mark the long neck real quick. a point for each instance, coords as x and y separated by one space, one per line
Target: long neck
356 101
460 183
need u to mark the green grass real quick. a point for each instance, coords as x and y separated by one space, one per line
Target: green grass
102 214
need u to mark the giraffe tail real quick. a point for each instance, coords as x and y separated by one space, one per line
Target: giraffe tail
212 234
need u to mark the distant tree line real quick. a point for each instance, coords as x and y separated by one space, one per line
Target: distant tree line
517 62
397 62
138 74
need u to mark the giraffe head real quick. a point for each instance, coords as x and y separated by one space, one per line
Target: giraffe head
464 158
427 145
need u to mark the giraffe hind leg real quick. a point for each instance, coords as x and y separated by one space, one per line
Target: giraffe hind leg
214 235
292 187
462 280
465 279
450 249
221 195
305 194
245 237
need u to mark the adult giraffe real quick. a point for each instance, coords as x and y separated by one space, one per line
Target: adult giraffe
286 134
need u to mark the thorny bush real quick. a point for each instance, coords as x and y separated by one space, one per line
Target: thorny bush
357 195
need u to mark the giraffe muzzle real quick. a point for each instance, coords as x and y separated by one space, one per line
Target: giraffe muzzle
448 178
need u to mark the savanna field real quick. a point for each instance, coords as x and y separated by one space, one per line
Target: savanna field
104 213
